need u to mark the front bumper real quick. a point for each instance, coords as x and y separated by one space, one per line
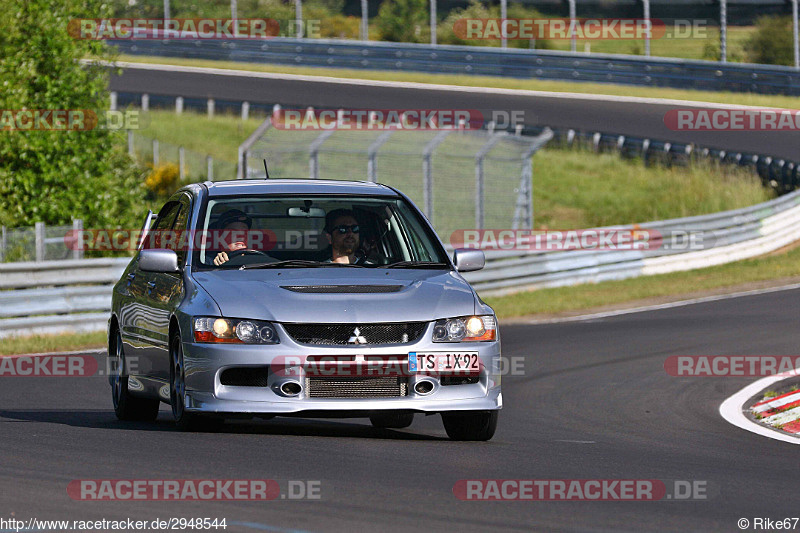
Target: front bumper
204 364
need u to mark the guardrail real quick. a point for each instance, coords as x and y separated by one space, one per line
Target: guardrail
487 61
730 236
60 296
57 296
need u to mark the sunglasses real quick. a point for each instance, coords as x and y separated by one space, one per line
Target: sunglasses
345 228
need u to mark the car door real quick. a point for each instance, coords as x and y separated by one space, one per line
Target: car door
150 316
130 292
165 290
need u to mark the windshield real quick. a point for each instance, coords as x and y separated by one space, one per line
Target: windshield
314 232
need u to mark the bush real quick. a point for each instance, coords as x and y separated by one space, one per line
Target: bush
340 27
163 180
404 21
771 42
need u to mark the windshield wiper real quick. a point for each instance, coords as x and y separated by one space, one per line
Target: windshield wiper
295 263
416 264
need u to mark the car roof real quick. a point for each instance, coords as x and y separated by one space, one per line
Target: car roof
298 187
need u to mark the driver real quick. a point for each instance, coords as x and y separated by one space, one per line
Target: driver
233 220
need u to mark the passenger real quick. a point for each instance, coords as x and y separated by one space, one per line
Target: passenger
342 230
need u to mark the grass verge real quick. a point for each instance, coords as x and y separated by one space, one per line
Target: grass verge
610 293
781 101
52 343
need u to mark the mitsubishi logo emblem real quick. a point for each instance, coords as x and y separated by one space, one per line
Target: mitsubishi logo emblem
357 338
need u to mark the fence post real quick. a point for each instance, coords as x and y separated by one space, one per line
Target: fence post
210 106
649 27
503 15
77 231
723 30
479 178
298 18
181 163
3 242
39 233
427 171
113 104
795 36
131 151
572 16
155 153
245 110
433 21
313 153
365 21
145 102
524 207
179 105
210 168
372 153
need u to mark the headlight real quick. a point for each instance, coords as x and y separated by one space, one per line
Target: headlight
234 330
466 329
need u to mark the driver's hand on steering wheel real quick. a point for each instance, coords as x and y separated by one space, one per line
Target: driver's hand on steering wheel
222 257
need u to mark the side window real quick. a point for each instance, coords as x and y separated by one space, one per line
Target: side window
166 217
159 236
180 227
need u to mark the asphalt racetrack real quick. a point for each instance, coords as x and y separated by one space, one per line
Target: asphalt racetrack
640 119
593 402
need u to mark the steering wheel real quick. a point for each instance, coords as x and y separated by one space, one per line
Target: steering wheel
237 253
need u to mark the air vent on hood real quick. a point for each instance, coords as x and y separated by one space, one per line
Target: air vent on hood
342 289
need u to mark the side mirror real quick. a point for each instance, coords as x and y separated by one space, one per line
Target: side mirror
158 260
468 259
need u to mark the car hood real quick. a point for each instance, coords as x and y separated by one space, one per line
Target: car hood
339 295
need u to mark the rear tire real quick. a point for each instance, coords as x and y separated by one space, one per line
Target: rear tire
392 420
127 407
470 425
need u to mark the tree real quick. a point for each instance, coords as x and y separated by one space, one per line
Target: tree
54 176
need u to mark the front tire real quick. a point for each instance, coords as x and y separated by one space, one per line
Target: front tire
127 407
470 425
184 420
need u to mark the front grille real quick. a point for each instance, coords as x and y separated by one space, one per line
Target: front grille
356 387
342 289
245 376
341 334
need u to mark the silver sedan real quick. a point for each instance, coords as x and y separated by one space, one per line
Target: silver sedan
302 298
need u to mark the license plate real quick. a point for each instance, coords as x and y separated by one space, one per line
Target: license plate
469 362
